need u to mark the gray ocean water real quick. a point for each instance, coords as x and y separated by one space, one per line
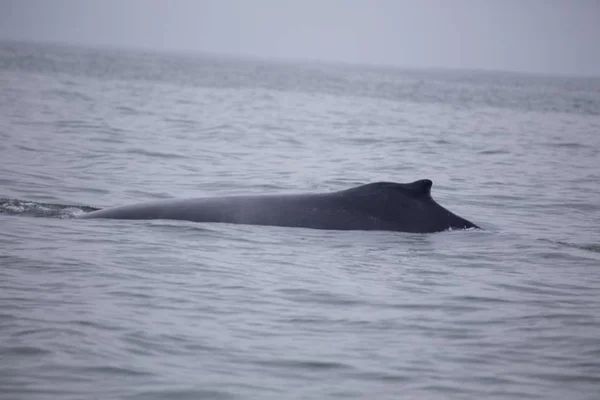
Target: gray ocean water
104 309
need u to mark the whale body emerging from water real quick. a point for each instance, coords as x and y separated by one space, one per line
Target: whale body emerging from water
383 206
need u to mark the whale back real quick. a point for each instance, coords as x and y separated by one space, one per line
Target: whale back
404 207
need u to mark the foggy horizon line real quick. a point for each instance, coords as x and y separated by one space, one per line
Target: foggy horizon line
190 53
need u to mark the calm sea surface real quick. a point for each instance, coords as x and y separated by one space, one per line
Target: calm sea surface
104 309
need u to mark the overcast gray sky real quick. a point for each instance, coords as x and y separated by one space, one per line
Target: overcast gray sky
547 36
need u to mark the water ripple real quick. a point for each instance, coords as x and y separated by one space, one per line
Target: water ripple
173 309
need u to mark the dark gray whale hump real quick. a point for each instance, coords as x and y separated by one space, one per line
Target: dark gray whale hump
406 207
386 191
417 188
388 206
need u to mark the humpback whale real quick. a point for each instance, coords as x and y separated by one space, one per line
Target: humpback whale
384 206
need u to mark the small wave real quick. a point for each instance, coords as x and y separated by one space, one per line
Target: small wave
129 110
305 364
493 152
77 124
25 351
183 393
442 141
116 371
35 209
157 154
569 145
68 94
25 148
593 247
182 121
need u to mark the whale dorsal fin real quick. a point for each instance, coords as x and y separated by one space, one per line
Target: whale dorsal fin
421 187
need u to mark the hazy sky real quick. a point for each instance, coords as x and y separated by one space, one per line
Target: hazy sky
547 36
